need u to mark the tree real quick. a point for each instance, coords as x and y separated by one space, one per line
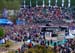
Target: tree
1 32
10 4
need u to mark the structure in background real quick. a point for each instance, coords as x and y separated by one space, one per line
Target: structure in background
44 3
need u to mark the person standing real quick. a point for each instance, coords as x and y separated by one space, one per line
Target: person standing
5 13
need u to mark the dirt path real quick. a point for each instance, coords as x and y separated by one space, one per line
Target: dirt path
15 46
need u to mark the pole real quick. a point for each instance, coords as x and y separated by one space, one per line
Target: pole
56 2
43 3
30 3
69 3
49 3
24 4
62 3
36 3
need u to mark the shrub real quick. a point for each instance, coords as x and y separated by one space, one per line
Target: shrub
39 49
1 32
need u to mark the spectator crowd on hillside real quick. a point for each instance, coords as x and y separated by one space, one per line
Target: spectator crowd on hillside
34 17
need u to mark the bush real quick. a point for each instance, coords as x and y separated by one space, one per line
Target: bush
10 4
39 49
1 32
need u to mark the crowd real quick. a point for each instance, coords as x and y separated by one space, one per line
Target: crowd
21 32
43 15
34 17
68 47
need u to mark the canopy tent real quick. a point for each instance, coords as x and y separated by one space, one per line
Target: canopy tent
4 21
